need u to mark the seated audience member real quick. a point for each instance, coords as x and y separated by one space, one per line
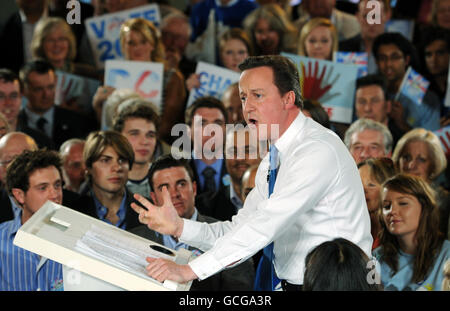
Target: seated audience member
241 152
232 102
32 178
439 14
318 39
207 113
248 181
369 31
140 41
371 103
10 104
139 123
54 41
394 54
171 178
346 24
366 138
71 153
270 30
419 152
373 173
59 124
436 51
175 34
11 145
234 47
413 251
338 265
108 157
314 110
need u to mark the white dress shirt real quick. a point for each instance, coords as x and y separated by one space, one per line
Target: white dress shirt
318 196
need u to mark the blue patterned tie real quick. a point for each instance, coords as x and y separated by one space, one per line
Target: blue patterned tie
266 279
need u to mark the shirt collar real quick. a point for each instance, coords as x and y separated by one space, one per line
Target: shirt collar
292 131
201 165
235 199
33 117
15 224
231 3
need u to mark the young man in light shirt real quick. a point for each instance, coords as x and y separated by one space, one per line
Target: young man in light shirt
318 194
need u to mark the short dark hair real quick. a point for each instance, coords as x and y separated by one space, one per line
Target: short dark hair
40 66
139 109
317 112
19 170
337 265
285 73
372 79
168 161
398 40
205 102
9 76
436 33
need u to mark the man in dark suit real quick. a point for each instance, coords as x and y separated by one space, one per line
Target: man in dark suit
171 179
59 124
10 103
207 118
241 152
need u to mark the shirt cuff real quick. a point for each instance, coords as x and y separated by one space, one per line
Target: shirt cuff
190 230
205 265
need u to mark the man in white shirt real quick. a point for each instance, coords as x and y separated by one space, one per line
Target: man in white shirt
318 194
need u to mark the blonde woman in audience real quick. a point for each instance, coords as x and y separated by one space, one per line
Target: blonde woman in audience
318 39
440 13
140 40
54 41
419 152
270 30
413 251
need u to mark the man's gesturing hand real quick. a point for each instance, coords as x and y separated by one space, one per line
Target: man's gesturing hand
163 219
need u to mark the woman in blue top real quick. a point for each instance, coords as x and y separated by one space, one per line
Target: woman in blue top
413 251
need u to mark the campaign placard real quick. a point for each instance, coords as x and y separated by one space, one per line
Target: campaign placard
75 92
360 59
214 81
103 31
414 86
332 84
444 136
145 78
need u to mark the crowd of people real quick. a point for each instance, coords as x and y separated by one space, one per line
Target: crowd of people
95 161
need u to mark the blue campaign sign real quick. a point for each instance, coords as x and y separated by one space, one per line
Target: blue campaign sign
214 81
103 31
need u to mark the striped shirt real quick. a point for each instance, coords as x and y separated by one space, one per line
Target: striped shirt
21 270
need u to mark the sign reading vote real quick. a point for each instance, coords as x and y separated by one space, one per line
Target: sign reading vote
145 78
331 84
214 81
103 31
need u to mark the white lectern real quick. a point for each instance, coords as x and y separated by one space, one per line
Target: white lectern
95 255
